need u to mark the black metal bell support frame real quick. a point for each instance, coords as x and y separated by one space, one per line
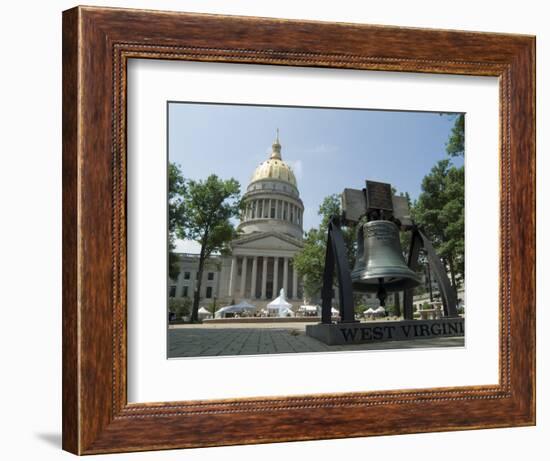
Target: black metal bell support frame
418 241
336 256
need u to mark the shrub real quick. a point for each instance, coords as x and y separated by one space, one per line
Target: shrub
180 306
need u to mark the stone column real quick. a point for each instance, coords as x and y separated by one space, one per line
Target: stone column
269 209
257 203
264 276
276 276
285 275
253 281
243 277
233 276
294 281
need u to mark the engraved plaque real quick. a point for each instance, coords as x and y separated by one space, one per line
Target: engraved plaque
353 204
379 196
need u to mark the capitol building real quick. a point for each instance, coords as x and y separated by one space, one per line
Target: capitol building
270 233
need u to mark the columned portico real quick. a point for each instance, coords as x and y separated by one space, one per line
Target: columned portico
261 276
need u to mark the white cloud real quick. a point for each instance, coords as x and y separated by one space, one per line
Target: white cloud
297 167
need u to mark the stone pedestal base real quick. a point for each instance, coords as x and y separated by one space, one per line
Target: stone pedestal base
360 333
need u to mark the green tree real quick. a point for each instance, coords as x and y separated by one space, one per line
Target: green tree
310 261
179 306
455 145
209 205
176 215
439 211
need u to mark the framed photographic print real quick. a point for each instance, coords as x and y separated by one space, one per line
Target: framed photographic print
282 230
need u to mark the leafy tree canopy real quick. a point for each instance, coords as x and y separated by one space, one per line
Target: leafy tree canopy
439 211
455 145
210 204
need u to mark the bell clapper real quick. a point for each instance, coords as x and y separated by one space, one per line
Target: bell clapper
382 293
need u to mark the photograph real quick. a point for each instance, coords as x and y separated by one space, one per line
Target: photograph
313 229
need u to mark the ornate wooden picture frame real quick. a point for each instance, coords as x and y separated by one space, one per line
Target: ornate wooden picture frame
97 44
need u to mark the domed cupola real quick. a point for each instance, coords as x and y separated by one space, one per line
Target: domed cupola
274 168
272 201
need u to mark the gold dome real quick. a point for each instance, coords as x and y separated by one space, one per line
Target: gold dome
274 167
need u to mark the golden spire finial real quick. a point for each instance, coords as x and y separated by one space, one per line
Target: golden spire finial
276 153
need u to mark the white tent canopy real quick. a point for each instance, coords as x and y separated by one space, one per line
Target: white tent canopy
204 313
280 307
242 307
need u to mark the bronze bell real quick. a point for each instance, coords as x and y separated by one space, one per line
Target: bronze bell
380 264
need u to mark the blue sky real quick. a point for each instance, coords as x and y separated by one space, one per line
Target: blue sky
328 149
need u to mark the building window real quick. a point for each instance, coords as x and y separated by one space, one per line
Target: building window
272 212
208 292
172 293
185 291
210 275
196 275
187 275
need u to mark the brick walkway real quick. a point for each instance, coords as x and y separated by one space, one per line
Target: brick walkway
201 341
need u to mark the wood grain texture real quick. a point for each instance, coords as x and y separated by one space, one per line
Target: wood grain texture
97 43
70 384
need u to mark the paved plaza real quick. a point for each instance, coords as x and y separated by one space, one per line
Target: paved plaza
204 340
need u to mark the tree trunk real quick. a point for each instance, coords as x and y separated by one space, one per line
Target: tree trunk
198 284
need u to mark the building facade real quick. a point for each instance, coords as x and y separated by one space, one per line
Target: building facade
270 233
